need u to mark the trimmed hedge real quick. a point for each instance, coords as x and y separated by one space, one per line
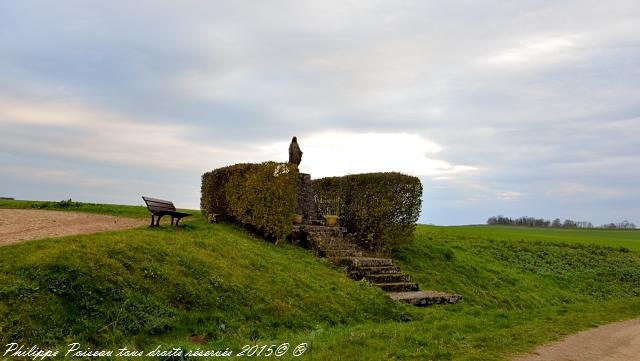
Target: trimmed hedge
259 196
379 210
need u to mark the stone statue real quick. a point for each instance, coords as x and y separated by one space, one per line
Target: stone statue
295 154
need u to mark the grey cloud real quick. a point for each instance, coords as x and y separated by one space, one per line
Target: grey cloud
537 95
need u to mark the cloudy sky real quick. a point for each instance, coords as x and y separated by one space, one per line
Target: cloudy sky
500 107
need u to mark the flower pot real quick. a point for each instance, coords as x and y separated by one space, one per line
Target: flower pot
297 219
331 220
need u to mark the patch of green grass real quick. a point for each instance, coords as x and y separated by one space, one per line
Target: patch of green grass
516 295
463 332
142 288
628 238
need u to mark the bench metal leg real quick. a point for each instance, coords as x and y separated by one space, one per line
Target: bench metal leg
175 219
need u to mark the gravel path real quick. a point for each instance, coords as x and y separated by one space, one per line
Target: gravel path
17 225
618 341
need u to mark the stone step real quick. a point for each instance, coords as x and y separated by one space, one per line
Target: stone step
329 241
318 229
387 278
333 253
343 261
370 262
358 273
354 262
326 237
425 298
338 245
379 270
398 287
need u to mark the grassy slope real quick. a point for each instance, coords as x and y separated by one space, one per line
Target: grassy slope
517 295
146 286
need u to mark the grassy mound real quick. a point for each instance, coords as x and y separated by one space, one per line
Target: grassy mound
216 284
517 294
143 286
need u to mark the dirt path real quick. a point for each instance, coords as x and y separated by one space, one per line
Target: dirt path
618 341
17 225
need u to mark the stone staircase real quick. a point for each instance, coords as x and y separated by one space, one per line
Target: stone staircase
330 242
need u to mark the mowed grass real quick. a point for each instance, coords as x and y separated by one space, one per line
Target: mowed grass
217 284
629 238
144 287
516 295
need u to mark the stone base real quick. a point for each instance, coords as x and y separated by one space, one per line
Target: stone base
305 199
318 237
425 298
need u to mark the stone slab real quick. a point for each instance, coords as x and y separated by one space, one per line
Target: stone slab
425 298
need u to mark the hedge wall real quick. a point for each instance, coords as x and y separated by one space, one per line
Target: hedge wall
259 196
379 210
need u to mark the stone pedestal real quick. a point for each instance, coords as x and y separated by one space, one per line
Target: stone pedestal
305 200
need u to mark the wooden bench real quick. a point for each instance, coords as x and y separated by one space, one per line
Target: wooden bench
160 208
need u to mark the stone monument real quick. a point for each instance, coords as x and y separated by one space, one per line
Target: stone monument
305 198
295 154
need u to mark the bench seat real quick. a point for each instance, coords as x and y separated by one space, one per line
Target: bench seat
160 208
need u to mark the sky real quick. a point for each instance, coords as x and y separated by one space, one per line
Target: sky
499 107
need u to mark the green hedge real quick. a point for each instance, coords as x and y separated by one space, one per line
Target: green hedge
379 210
259 196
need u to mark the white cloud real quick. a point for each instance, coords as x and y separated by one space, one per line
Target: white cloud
107 137
77 131
339 153
539 51
508 195
499 101
62 177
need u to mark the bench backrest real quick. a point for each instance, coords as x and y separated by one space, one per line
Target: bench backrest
158 205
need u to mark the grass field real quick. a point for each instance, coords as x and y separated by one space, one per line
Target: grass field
604 237
215 283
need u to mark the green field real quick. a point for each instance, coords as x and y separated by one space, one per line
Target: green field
603 237
218 285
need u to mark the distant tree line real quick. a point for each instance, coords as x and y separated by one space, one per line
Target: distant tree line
556 223
621 225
